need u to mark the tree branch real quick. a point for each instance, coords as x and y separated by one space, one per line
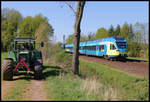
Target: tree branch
70 7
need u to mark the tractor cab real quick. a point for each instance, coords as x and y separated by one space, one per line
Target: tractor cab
24 44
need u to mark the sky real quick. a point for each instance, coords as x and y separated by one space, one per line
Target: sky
96 14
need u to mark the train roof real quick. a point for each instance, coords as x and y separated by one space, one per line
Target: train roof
96 42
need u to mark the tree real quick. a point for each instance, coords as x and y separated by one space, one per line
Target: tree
131 35
26 28
141 35
77 30
10 21
117 31
30 24
101 33
125 31
44 32
90 36
69 40
111 31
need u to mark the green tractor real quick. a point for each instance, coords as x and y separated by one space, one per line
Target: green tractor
23 56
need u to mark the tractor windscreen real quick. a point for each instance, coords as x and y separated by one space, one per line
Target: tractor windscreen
24 46
25 43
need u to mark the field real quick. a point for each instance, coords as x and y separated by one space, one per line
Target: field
95 82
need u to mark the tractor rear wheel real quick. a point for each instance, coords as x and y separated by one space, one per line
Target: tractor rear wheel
38 69
7 69
38 72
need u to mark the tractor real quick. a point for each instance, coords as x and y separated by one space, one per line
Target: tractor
23 56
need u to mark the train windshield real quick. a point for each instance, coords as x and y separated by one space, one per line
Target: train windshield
121 45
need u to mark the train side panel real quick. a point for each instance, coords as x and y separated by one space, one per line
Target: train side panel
103 51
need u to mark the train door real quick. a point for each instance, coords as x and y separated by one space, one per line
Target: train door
112 49
105 50
97 50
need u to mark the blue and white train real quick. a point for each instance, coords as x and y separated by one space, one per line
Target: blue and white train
110 48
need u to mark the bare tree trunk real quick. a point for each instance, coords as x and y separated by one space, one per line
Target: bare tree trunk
75 58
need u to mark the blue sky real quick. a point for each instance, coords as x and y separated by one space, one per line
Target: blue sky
96 14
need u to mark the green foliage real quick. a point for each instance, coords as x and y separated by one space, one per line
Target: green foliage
134 49
101 33
117 31
62 59
10 22
26 29
4 55
29 25
43 33
131 33
70 39
147 53
125 31
111 31
13 23
138 58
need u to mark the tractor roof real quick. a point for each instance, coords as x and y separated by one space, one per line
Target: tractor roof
24 40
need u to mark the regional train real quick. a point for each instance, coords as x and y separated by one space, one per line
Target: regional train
109 48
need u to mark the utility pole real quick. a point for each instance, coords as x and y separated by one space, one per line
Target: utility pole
18 35
64 41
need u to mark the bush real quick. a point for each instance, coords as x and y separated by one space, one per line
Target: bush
134 49
54 54
63 59
147 53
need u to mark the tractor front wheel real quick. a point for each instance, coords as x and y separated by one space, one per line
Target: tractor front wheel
7 69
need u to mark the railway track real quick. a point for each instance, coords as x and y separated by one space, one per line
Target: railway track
136 67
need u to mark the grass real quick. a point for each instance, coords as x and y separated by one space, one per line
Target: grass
3 55
17 92
139 58
130 88
96 82
62 85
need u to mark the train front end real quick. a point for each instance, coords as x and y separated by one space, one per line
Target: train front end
122 47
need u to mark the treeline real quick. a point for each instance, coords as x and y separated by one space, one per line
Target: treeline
14 24
134 34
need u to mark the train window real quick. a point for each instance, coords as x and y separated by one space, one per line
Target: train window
101 48
112 47
121 45
83 47
79 48
92 47
89 47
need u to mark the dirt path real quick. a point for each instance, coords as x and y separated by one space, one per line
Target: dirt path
6 87
140 68
35 91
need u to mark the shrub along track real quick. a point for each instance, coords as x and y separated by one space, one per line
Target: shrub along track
135 67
